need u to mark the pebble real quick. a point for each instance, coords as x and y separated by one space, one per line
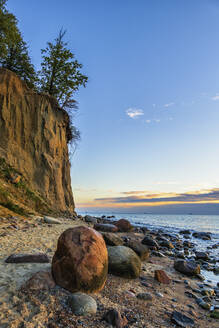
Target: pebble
145 296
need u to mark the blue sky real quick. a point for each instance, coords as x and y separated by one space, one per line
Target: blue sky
149 115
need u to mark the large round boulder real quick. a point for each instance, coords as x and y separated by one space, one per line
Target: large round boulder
124 262
80 262
188 267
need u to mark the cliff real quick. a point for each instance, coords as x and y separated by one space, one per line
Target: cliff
34 134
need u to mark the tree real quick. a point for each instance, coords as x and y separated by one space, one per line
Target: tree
13 49
60 74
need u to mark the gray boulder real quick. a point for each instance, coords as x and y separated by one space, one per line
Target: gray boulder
124 262
90 219
82 304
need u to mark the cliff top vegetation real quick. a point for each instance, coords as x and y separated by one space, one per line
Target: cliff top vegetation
60 73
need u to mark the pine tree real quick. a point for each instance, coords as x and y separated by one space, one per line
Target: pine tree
13 49
60 74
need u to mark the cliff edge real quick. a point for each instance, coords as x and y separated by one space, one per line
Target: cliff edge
34 136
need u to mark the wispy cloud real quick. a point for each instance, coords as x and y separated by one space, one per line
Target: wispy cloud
134 112
153 120
134 192
169 104
216 97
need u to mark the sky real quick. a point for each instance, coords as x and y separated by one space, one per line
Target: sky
149 114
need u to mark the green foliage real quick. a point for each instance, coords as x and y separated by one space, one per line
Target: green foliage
60 74
13 49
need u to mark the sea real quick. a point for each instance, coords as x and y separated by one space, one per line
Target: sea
175 223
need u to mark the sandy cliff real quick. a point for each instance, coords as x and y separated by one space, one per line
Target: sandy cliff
33 140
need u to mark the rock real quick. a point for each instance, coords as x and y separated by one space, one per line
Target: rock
158 254
188 244
82 304
200 277
130 293
124 262
207 292
105 227
145 296
182 320
28 258
149 242
41 280
112 239
80 262
191 295
90 219
203 304
141 250
202 235
166 243
124 225
201 256
162 277
192 312
214 314
216 270
50 220
114 318
187 267
180 255
185 232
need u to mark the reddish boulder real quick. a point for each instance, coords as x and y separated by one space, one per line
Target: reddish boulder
80 262
124 225
105 227
162 277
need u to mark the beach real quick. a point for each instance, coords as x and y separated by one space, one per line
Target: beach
49 309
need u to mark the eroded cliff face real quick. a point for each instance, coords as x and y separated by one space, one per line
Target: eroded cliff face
33 140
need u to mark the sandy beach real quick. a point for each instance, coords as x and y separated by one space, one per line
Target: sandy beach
18 309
